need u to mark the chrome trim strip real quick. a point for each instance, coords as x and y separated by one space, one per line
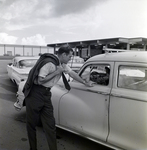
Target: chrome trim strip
121 96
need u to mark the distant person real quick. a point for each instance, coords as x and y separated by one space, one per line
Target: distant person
107 76
37 90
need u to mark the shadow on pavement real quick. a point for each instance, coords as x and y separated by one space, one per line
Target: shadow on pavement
10 88
8 97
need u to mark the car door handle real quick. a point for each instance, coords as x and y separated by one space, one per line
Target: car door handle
98 92
116 95
103 93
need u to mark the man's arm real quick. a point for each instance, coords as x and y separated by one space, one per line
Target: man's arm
42 80
75 76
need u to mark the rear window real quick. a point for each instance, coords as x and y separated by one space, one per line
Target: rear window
134 78
27 63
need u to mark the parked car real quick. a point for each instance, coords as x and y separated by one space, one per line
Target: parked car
112 114
19 69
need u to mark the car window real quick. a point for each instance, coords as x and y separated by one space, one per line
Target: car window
98 74
134 78
27 63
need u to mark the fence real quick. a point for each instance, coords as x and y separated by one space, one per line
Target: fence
23 50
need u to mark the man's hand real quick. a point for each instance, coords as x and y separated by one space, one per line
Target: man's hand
89 83
59 69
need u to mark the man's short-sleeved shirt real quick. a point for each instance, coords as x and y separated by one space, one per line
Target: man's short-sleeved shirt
49 68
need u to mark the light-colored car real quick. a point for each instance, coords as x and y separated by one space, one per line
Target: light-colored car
112 113
19 69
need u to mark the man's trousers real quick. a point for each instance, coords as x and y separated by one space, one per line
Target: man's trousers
39 106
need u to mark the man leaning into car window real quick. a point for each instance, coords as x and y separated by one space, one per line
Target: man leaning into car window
38 95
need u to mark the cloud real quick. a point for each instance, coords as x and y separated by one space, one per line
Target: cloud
18 14
66 7
7 39
23 14
50 21
34 40
61 19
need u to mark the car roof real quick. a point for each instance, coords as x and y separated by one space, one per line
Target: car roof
128 56
18 58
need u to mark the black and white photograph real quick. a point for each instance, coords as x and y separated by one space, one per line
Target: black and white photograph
73 75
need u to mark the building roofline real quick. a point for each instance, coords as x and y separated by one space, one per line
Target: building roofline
17 45
101 41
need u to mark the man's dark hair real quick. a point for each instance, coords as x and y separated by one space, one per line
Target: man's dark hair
64 49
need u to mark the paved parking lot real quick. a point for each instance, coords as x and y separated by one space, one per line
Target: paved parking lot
13 134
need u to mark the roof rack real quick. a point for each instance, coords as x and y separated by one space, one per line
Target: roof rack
107 50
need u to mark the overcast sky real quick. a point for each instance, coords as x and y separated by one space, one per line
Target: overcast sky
41 22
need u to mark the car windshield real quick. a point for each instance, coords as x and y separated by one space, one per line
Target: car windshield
27 63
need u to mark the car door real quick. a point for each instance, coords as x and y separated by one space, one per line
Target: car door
85 109
128 106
